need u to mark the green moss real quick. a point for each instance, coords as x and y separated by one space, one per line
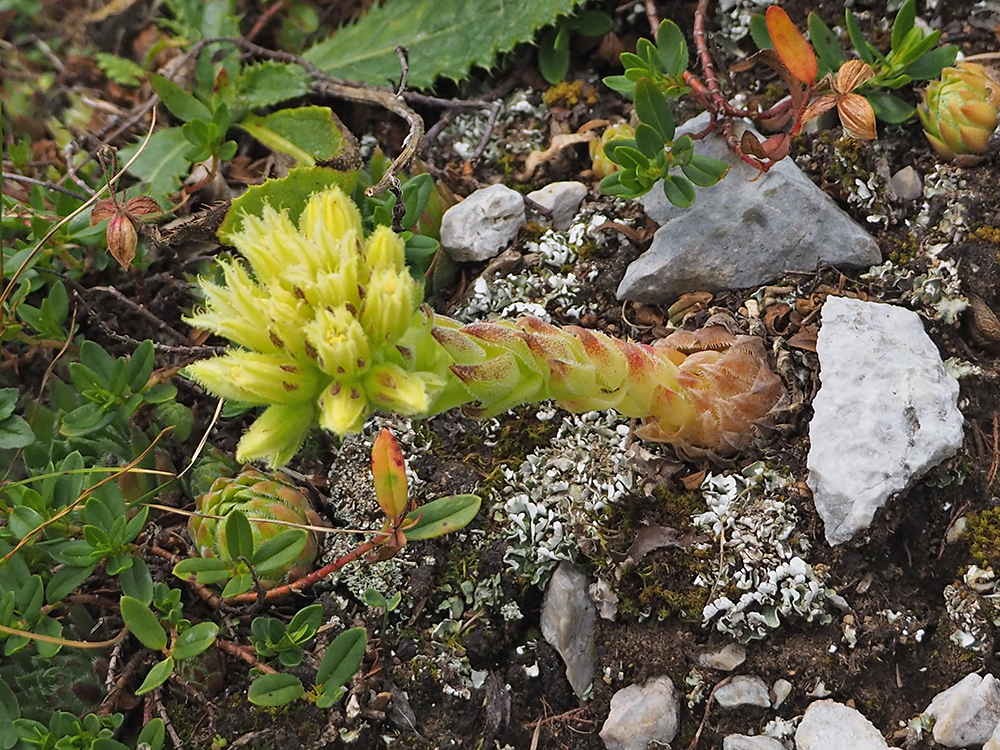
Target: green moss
983 534
902 249
569 94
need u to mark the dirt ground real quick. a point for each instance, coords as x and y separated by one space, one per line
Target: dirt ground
902 568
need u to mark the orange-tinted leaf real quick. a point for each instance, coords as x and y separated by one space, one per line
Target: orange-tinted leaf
795 52
776 147
389 473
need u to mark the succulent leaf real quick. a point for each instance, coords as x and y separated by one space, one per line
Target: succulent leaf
960 111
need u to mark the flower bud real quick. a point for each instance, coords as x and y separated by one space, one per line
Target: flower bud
254 378
388 305
339 342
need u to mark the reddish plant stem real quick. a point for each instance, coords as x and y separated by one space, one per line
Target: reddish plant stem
246 653
317 575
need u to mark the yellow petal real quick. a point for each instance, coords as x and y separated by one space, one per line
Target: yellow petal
260 379
343 408
276 434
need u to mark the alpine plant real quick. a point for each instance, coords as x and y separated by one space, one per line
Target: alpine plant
329 327
959 111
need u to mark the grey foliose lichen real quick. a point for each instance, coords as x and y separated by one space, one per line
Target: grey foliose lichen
759 574
551 505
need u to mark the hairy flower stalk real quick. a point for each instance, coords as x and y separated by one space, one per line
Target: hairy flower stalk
959 112
330 329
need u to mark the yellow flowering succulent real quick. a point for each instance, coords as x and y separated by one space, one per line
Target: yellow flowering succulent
329 328
320 324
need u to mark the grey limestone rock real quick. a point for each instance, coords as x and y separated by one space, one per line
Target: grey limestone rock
641 714
828 725
967 713
561 200
885 414
743 232
726 658
479 227
749 742
743 690
567 620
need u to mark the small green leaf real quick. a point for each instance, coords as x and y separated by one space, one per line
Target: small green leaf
137 582
553 54
306 620
903 24
194 640
275 689
239 584
140 366
375 599
649 141
162 164
207 570
145 626
759 33
889 108
159 674
152 734
651 107
621 85
673 48
65 581
181 104
267 83
280 551
307 134
442 516
15 433
238 540
857 38
930 64
679 190
119 69
705 171
342 657
826 44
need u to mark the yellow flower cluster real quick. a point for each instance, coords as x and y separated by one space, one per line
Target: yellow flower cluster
327 322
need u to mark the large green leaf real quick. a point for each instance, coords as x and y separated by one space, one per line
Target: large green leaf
162 164
444 38
309 134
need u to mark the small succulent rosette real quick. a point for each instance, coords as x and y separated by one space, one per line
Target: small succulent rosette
959 111
262 498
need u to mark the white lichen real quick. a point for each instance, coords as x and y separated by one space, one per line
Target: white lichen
551 504
759 574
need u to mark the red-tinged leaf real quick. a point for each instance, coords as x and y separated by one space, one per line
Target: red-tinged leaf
776 147
389 473
795 52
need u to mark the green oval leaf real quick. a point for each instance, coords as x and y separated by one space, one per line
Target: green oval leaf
442 516
673 48
651 108
159 674
342 658
704 170
144 625
679 190
279 551
275 689
194 640
180 103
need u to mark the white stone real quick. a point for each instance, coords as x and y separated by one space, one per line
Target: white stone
480 227
562 201
743 690
748 742
642 714
744 231
993 743
906 184
780 690
828 725
567 621
885 414
726 658
967 713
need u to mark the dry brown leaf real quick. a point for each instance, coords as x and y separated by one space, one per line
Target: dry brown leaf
559 142
803 339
